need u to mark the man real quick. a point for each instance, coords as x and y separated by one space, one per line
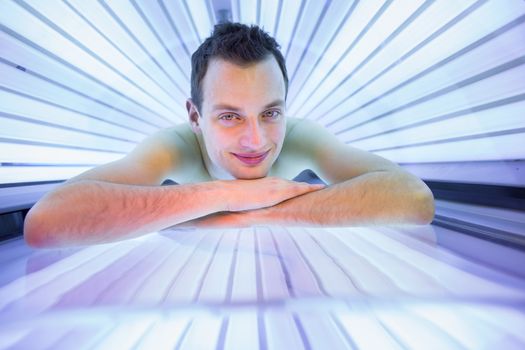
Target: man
231 162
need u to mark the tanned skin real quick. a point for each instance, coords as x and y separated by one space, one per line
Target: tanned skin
234 162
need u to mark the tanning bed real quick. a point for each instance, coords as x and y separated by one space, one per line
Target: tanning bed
435 86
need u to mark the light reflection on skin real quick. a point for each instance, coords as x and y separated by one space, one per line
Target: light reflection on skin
243 112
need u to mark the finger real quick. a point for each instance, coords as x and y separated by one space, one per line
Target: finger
306 187
318 186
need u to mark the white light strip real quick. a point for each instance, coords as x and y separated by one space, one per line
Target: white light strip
20 153
248 9
168 74
133 21
210 325
98 45
27 84
127 334
415 333
469 337
397 13
95 294
450 77
314 50
78 266
366 331
495 148
163 277
502 88
200 15
511 319
362 14
179 63
272 278
18 174
245 271
36 62
45 113
182 22
184 287
166 333
426 24
287 20
446 278
242 331
321 331
20 21
304 31
108 86
281 330
215 287
269 15
235 10
25 130
507 117
9 339
450 42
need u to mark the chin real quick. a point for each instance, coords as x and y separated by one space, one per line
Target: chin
250 173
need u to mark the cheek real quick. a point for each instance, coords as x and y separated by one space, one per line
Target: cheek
277 134
217 142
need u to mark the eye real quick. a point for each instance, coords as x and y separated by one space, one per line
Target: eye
229 117
272 114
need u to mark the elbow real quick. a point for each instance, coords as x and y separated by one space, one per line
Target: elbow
425 208
35 232
44 223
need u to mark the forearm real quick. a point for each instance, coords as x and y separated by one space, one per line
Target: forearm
86 212
379 198
376 198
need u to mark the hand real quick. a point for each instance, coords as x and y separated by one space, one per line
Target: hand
218 220
261 193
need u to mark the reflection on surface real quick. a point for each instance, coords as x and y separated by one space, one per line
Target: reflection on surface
266 287
317 324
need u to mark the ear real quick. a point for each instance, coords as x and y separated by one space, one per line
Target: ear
193 115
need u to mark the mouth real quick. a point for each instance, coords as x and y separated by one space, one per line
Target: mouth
252 158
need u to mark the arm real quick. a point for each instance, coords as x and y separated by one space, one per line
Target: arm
89 211
375 198
355 202
365 189
122 199
114 201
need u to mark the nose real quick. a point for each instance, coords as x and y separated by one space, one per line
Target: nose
253 136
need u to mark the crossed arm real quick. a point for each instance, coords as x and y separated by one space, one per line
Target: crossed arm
364 190
377 198
121 200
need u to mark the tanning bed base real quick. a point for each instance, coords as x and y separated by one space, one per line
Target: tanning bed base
260 288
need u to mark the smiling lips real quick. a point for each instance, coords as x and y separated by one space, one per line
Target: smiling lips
252 158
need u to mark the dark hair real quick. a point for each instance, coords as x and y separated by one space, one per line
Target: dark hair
236 43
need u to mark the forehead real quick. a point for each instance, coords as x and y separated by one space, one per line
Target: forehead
227 82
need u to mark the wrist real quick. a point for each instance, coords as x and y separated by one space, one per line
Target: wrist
259 217
221 193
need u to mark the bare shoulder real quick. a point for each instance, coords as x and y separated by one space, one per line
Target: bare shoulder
304 136
294 156
325 154
179 148
157 158
176 139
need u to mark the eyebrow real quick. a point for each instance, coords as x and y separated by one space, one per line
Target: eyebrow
221 106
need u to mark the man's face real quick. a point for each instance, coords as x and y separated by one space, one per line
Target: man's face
242 124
